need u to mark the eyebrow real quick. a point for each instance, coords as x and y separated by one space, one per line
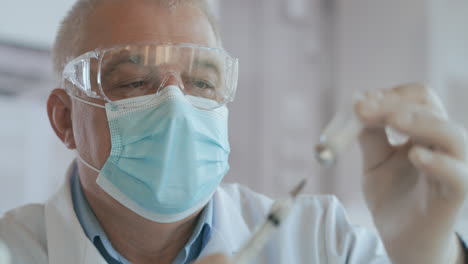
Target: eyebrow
114 62
206 63
111 65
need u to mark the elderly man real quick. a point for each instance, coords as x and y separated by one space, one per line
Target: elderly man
145 85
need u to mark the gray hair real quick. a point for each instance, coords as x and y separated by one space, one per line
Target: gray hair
68 36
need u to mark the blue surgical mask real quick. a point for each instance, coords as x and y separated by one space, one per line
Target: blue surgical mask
167 157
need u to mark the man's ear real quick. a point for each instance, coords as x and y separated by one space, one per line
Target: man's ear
59 111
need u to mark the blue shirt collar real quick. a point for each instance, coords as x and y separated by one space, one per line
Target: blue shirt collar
96 234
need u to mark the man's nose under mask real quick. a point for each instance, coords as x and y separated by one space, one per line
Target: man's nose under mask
167 157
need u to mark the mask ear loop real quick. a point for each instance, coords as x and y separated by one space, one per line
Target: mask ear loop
86 102
77 153
86 163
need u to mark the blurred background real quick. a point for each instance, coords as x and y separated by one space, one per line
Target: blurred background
299 61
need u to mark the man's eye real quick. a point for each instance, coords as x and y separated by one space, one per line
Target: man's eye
136 84
202 84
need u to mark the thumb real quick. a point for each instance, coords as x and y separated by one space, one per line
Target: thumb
374 147
373 142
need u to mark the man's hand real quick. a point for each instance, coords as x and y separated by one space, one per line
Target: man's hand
214 259
414 191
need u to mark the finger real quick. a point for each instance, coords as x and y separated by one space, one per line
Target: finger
419 94
427 128
373 108
421 123
374 147
373 140
374 144
411 93
442 168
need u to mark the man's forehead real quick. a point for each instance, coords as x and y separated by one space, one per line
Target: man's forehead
125 22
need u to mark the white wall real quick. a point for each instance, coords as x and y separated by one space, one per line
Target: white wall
383 43
449 55
32 160
378 44
282 93
449 63
31 22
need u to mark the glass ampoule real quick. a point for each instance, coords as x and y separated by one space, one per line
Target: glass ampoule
344 129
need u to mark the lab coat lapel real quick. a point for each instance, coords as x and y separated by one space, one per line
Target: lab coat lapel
229 230
66 240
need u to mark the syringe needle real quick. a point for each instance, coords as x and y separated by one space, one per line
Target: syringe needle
294 192
277 214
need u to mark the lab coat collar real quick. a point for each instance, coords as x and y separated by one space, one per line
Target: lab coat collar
229 230
64 232
69 244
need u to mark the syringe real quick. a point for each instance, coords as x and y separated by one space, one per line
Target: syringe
278 213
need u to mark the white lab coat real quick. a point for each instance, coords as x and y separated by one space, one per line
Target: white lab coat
317 231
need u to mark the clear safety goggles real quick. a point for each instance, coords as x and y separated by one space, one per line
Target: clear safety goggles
203 74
